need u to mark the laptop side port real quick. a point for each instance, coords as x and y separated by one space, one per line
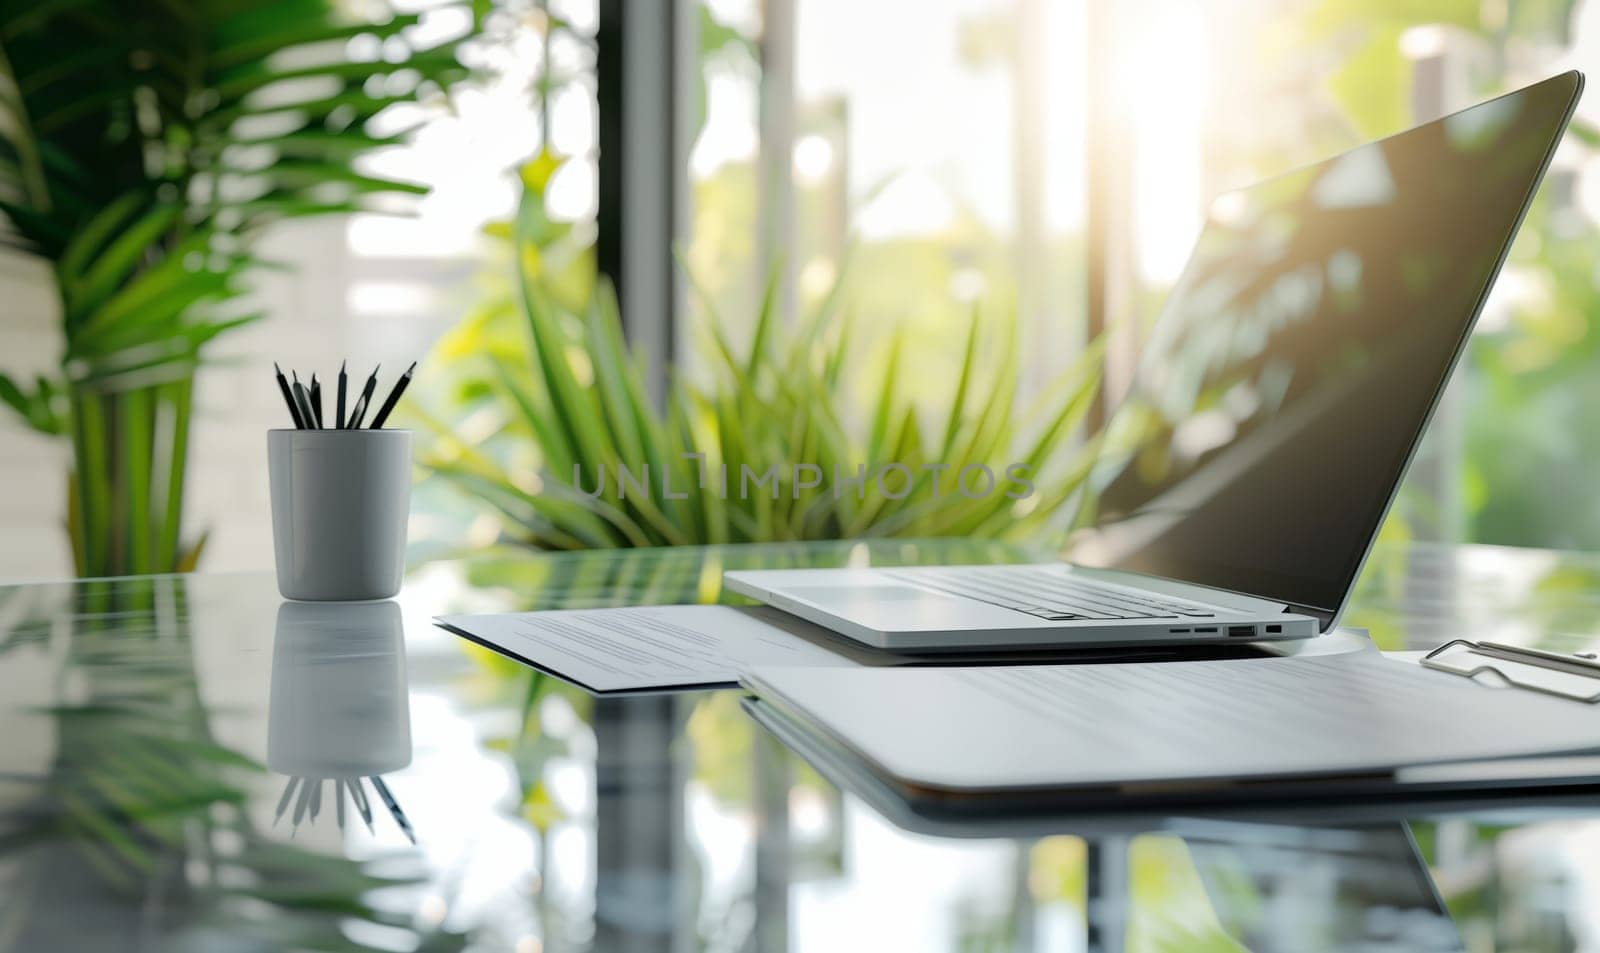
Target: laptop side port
1274 630
1242 631
1211 629
1179 631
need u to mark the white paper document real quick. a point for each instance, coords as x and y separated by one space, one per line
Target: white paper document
1065 726
654 647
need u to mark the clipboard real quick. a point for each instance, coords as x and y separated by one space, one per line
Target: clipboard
1575 677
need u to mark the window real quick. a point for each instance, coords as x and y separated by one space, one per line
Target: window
937 159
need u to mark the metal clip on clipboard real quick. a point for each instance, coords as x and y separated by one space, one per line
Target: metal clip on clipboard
1566 676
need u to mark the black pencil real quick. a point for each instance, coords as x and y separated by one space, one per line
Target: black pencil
360 409
394 396
283 802
394 808
288 398
362 806
304 800
316 400
316 798
303 400
338 411
357 412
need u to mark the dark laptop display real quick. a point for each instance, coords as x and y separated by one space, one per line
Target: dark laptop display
1290 376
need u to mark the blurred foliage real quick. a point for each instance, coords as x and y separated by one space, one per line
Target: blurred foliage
144 147
721 737
586 579
1531 443
1489 904
1530 376
567 401
1057 871
1171 907
1382 586
1372 82
535 378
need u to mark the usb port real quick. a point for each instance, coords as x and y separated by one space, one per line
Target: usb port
1179 631
1274 629
1241 631
1210 628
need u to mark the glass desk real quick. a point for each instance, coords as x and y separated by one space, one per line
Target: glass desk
189 763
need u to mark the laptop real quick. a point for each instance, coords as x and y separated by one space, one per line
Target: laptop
1275 406
1465 787
1359 852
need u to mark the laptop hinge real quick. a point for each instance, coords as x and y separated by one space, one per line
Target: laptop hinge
1324 617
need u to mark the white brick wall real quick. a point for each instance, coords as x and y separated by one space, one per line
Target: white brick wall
310 326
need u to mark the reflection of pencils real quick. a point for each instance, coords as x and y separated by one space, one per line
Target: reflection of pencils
283 802
360 409
316 797
288 398
302 803
361 802
394 808
394 395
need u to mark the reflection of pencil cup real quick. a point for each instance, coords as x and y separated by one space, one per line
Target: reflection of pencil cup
340 500
339 702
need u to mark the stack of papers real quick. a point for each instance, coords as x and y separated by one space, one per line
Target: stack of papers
658 648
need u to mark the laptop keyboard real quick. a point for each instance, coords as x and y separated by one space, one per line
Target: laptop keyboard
1050 595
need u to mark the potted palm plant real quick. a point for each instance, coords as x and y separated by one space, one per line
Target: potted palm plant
144 146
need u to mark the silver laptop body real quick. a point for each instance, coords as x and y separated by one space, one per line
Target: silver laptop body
958 608
1278 400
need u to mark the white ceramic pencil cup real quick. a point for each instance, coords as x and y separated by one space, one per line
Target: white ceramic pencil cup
340 500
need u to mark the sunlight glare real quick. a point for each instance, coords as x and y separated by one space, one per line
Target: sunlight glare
1162 85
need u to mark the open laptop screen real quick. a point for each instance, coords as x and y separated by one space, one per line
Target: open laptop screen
1293 369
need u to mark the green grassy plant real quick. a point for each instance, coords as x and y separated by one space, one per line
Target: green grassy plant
570 402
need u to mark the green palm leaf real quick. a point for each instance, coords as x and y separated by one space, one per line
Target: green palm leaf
119 123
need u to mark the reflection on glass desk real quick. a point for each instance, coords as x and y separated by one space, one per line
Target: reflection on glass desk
339 716
159 736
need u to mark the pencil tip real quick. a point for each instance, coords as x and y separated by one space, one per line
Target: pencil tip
277 369
412 367
341 366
